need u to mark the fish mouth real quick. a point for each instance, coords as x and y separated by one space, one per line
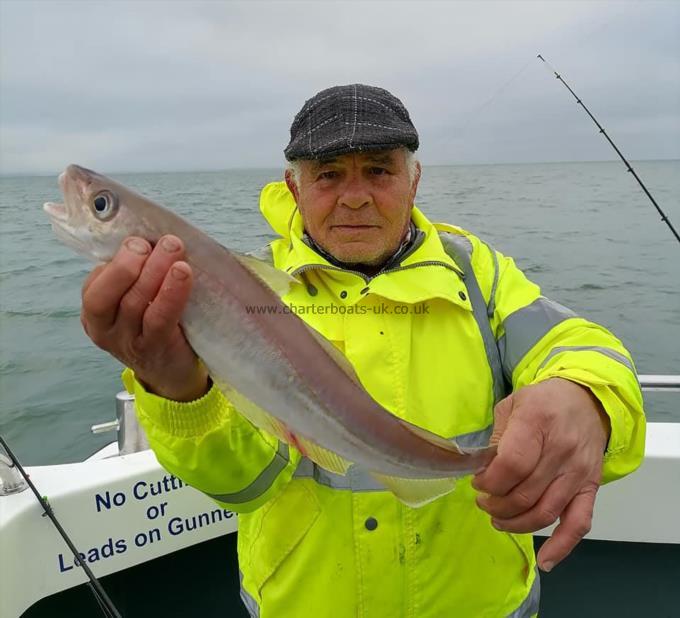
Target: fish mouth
73 183
65 218
72 186
59 218
56 212
66 234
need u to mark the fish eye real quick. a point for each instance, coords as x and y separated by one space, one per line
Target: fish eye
104 205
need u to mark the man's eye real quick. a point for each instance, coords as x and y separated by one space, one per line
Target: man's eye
328 175
378 171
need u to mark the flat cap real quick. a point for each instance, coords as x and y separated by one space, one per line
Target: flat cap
353 118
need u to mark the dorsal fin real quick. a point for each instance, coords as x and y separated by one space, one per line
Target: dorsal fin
433 438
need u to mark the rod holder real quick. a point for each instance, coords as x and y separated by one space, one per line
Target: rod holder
11 482
131 436
104 427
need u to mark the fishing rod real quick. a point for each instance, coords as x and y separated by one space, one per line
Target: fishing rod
664 217
105 603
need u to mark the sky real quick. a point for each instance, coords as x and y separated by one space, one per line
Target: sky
166 86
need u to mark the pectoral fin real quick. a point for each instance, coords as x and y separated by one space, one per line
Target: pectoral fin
279 281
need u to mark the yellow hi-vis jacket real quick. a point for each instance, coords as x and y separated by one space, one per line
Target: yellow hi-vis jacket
314 544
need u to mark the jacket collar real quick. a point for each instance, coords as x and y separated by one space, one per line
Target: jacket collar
408 244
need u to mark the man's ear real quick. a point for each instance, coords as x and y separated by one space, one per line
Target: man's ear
416 180
292 186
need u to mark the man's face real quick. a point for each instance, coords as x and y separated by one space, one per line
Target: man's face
356 207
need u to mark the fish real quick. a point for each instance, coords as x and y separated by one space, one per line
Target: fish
276 370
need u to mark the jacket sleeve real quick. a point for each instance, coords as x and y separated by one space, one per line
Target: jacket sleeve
213 448
541 339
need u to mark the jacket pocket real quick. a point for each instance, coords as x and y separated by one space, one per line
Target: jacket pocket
525 544
279 528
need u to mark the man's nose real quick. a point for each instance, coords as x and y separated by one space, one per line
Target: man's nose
355 193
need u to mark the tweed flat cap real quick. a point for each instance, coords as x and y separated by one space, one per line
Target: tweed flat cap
353 118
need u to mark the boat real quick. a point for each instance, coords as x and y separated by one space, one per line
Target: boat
161 548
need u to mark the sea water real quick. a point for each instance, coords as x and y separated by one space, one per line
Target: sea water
585 232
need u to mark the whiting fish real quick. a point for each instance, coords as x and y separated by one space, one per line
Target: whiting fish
276 370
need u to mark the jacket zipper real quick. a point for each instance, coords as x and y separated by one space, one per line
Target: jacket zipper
368 279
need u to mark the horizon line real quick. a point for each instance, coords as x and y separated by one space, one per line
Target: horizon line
282 167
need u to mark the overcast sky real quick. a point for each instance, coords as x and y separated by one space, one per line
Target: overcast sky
143 86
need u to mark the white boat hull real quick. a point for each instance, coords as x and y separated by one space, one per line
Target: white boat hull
122 511
119 512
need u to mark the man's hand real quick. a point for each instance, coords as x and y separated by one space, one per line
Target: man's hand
551 440
131 309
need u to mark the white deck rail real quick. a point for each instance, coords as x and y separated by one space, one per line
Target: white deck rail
655 382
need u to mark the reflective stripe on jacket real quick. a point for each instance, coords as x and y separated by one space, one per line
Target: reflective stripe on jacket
312 543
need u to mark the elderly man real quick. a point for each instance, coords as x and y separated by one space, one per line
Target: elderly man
486 357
